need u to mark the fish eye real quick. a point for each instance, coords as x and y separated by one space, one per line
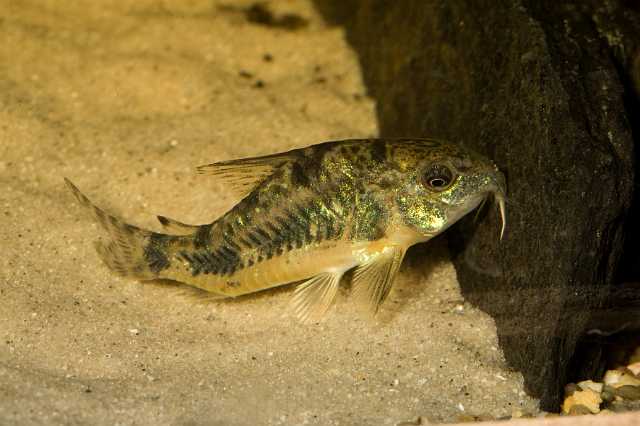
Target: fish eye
438 177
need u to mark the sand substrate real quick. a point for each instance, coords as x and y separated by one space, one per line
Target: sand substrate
125 98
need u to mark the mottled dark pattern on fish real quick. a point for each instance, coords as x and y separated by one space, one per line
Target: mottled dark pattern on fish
155 252
312 213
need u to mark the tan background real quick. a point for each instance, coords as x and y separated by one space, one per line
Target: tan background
125 98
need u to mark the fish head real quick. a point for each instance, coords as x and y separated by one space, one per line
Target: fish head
441 183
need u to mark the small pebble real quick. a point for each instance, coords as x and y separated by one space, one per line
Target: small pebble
589 384
588 399
570 389
579 410
634 368
632 393
623 406
611 377
618 378
608 393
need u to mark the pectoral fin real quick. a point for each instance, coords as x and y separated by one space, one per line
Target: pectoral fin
312 298
373 280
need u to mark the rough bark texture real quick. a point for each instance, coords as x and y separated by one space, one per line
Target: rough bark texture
545 89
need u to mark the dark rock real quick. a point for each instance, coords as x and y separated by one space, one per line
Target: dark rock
544 88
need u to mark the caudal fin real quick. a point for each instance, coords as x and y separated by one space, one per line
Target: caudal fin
129 252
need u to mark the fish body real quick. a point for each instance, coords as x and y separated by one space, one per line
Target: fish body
312 214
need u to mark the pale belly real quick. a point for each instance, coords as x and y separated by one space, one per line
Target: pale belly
295 265
334 256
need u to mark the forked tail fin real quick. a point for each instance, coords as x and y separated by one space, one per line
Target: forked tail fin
131 251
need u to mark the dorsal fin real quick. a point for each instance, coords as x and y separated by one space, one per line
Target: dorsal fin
244 174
